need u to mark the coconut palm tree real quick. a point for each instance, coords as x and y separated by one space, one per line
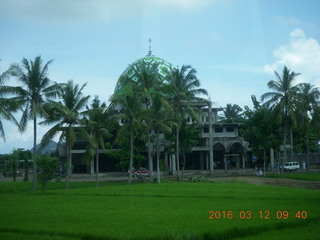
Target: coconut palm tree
131 114
66 115
308 95
282 99
4 76
232 114
35 90
147 81
95 132
6 106
181 89
160 119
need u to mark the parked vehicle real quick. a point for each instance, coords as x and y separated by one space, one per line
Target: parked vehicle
291 166
142 171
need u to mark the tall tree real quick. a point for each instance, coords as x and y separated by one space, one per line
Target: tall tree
282 100
128 102
260 131
160 119
7 107
147 81
189 138
95 130
66 115
181 89
36 88
308 96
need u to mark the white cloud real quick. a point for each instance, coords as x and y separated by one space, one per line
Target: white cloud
301 55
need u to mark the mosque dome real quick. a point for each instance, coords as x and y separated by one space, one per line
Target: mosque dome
149 61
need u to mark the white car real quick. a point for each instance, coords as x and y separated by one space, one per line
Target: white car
291 166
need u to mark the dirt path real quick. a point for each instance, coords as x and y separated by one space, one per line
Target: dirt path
248 179
271 181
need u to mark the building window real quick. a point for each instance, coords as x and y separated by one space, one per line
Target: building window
230 129
206 129
218 129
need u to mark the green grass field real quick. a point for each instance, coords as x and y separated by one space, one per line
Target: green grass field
313 176
158 211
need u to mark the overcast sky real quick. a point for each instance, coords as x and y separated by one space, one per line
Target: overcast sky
235 45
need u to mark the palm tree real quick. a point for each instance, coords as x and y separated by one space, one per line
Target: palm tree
95 131
181 89
308 96
6 106
66 115
232 114
282 99
4 76
131 115
147 81
35 90
160 118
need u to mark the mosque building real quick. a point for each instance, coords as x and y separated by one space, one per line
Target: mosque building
220 146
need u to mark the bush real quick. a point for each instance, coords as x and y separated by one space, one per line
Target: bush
47 169
198 179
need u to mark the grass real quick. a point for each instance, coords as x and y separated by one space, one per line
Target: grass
314 176
155 211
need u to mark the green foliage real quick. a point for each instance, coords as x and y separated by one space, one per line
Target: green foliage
122 156
65 115
198 179
47 169
260 129
232 113
189 136
13 164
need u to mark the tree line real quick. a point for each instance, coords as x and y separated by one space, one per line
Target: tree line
147 102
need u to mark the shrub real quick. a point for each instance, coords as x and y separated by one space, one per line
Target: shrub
47 169
198 179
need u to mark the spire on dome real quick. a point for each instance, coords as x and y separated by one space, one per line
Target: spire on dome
150 52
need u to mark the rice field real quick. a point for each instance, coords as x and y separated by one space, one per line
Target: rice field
158 211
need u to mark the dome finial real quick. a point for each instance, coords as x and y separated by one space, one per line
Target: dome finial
150 52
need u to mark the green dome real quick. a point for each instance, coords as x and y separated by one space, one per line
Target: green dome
149 61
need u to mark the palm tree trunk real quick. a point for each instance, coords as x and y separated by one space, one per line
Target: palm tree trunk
68 166
210 138
131 155
34 160
150 158
184 164
68 155
308 151
278 160
284 160
97 168
264 162
158 157
177 153
291 143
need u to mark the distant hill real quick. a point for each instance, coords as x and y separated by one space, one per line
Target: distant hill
51 145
